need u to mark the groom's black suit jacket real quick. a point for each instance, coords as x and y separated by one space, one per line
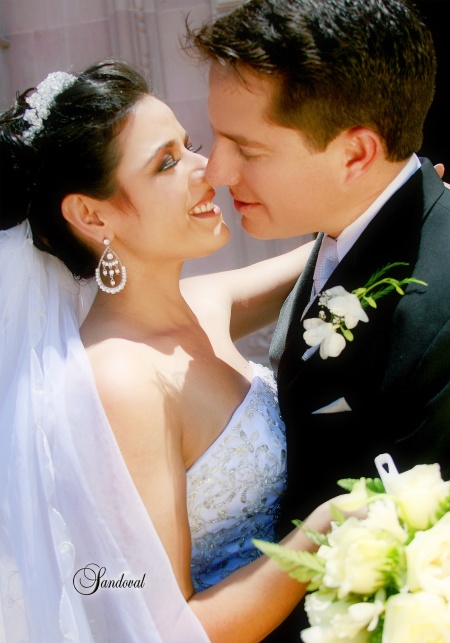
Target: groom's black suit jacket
395 375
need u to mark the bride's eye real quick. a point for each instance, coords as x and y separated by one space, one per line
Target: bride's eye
168 161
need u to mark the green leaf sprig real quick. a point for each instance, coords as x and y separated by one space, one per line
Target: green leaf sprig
377 287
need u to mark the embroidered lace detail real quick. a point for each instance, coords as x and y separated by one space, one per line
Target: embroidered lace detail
234 488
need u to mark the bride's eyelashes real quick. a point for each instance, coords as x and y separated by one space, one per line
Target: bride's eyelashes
169 159
168 162
193 149
189 146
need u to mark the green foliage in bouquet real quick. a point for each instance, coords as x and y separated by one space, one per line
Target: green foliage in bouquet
384 578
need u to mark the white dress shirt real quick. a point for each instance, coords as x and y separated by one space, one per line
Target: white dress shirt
351 233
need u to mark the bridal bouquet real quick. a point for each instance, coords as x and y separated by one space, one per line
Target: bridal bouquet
384 578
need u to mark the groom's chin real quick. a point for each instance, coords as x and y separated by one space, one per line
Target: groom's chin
256 229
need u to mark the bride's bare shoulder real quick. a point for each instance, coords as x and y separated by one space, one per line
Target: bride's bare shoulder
131 384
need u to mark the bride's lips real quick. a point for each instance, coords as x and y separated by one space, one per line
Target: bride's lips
205 209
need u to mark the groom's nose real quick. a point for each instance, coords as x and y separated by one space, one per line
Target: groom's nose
223 165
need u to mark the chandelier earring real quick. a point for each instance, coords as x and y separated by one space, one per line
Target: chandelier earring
109 270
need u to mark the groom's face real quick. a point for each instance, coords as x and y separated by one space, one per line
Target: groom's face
279 185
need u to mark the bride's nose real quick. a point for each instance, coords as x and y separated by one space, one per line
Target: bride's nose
203 160
200 166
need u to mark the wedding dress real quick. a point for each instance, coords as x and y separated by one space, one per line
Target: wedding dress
233 489
68 507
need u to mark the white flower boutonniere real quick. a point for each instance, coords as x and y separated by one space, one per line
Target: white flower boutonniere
343 310
384 578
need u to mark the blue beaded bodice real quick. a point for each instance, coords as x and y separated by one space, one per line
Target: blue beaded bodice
234 488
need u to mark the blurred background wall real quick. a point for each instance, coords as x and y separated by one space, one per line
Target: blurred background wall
40 36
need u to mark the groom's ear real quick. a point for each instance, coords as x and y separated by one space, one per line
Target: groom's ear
84 215
362 148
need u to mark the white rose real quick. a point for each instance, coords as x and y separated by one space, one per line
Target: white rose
428 558
419 493
327 634
415 618
345 304
383 516
382 511
359 619
356 499
356 557
331 621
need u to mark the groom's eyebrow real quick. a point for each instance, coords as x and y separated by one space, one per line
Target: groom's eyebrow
239 139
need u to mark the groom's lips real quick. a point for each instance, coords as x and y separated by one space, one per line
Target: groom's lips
244 206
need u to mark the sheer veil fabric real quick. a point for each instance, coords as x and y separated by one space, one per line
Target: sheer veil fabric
67 501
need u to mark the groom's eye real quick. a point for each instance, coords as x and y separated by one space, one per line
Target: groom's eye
245 154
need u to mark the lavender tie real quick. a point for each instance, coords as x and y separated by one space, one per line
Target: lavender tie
327 261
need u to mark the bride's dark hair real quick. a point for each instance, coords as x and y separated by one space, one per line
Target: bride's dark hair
74 152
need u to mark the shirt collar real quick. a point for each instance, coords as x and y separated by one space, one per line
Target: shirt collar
352 232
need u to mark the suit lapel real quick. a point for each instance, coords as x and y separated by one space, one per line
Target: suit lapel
391 236
295 302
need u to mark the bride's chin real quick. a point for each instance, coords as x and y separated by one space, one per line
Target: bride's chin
224 230
220 239
221 235
224 234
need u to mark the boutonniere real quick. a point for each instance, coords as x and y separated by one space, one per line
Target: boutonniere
342 310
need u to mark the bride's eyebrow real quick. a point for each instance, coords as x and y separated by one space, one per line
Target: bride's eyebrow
164 146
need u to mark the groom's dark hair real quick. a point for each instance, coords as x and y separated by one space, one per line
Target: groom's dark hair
337 64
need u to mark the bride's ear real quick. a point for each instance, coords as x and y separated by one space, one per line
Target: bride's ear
84 215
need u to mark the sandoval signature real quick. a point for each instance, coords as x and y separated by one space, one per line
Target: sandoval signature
87 580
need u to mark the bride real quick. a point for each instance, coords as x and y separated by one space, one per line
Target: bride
140 453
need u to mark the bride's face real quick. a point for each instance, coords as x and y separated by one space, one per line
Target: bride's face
163 177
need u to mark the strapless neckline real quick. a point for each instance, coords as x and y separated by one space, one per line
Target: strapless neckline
234 487
257 371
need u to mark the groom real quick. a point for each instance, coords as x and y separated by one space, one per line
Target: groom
317 107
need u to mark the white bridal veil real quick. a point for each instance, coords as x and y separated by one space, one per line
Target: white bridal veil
67 501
